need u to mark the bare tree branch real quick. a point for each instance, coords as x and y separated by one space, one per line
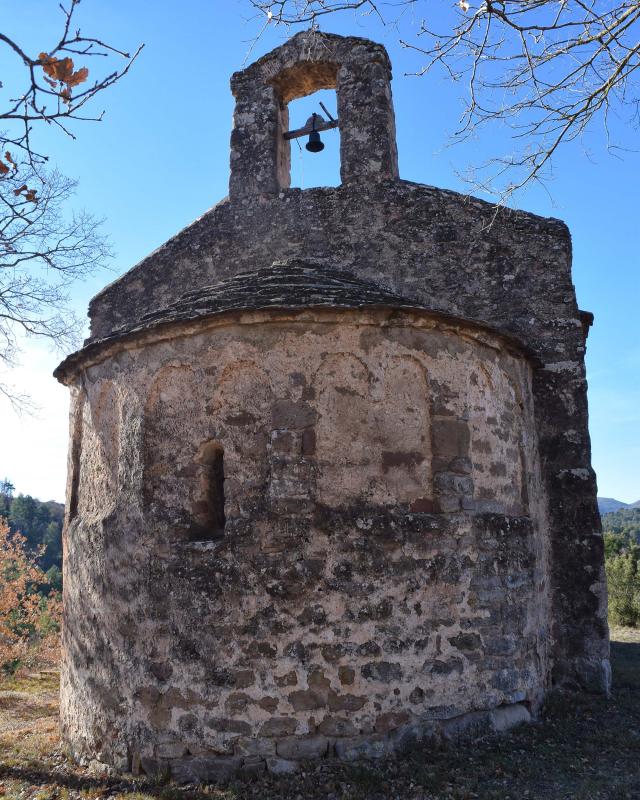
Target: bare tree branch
50 90
547 69
44 247
42 252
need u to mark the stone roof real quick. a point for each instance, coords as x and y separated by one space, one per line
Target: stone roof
285 284
289 284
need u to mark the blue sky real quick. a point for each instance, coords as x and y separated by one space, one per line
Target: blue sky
160 158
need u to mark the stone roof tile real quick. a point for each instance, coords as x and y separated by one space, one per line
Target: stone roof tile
288 284
285 284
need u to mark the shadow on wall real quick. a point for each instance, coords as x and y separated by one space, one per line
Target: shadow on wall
626 656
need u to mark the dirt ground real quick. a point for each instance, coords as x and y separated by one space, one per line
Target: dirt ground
585 748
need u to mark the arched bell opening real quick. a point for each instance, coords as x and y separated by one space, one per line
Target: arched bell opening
309 137
315 153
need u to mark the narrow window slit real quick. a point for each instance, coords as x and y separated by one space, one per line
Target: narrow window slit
208 507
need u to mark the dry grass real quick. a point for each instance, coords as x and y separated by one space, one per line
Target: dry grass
631 635
587 749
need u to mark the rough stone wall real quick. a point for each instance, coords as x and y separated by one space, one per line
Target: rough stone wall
441 249
447 251
384 559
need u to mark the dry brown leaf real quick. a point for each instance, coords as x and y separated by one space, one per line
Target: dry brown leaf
60 70
29 194
80 76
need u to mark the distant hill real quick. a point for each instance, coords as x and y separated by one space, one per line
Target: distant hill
608 504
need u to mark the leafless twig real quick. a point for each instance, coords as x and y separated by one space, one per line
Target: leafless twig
546 69
44 247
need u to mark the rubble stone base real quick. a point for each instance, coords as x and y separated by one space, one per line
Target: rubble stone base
285 756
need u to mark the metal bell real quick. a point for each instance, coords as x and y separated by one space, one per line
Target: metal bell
315 144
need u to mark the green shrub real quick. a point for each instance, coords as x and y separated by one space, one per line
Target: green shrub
623 577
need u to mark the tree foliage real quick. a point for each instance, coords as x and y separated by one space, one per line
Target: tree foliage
623 522
621 530
29 620
546 69
622 553
40 524
623 579
43 246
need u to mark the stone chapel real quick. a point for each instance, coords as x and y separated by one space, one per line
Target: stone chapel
329 490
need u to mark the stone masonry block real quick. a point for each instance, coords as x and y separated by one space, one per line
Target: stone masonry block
301 748
450 439
506 717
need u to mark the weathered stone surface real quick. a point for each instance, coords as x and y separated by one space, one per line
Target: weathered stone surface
391 720
278 726
229 725
257 746
346 675
202 769
466 641
471 725
355 748
506 717
290 679
280 766
590 674
307 700
329 467
171 750
298 748
154 767
384 671
336 726
419 733
253 765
